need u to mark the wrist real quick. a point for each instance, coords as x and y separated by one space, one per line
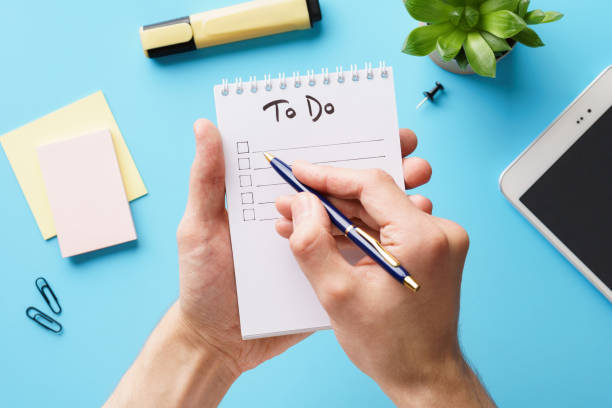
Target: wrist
450 382
202 348
175 368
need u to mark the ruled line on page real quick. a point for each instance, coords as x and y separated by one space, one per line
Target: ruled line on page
321 145
355 159
333 161
271 184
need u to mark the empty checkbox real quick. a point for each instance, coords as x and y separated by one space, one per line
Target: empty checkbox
245 181
244 163
249 214
247 198
242 147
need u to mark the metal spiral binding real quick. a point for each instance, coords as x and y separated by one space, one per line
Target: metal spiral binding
383 69
340 74
355 73
268 79
325 73
310 78
297 79
239 88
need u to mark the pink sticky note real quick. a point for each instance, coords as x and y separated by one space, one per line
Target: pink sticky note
86 193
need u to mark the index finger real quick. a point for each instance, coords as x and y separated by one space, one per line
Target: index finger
376 190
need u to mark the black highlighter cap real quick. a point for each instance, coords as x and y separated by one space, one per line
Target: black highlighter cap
314 11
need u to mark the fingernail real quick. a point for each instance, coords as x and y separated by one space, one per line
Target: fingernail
301 207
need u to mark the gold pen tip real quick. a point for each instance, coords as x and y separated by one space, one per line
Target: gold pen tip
411 283
268 156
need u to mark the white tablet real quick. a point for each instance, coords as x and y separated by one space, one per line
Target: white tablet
562 183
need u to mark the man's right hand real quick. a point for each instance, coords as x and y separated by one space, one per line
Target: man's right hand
407 342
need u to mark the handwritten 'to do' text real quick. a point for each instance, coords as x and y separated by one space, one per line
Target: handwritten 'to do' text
315 108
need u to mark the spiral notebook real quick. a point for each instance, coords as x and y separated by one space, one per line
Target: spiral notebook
342 118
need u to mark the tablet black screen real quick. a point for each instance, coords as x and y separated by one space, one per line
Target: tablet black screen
574 198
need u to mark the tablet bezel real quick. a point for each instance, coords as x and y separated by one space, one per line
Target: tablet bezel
540 155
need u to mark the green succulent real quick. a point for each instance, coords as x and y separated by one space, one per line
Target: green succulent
474 32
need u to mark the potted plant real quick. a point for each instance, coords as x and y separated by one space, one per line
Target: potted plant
467 36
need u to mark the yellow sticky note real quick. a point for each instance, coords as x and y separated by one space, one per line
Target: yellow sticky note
84 116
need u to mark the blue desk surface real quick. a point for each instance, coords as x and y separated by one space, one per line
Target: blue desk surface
537 332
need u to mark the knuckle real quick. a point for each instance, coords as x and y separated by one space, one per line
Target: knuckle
303 242
187 236
379 176
331 181
423 202
336 292
438 244
449 239
460 237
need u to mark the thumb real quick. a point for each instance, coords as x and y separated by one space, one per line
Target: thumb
315 250
206 200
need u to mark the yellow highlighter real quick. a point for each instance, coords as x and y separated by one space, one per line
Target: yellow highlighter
235 23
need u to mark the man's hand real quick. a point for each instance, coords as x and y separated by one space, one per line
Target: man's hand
196 351
208 303
407 342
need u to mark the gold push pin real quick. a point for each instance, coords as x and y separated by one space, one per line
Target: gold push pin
429 96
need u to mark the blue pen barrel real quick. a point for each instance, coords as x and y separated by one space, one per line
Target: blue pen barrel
336 217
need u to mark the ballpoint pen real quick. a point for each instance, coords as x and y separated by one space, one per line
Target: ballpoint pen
362 239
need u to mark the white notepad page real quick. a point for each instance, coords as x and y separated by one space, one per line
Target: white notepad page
347 124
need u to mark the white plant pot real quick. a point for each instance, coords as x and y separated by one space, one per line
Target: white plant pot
452 65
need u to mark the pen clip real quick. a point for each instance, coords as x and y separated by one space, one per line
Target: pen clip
391 260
